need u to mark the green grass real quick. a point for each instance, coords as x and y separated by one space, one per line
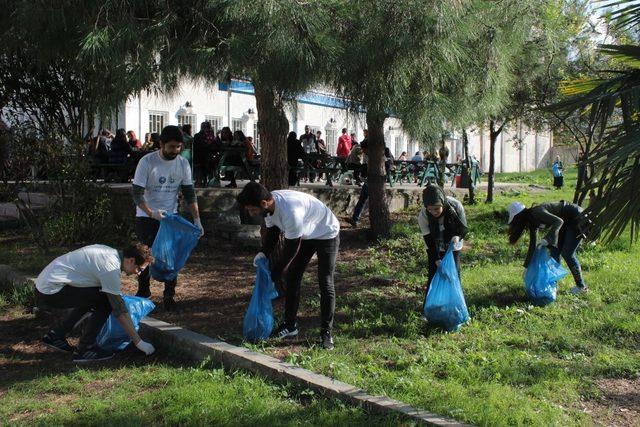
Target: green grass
539 177
513 364
167 395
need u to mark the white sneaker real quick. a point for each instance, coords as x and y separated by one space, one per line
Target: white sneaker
578 290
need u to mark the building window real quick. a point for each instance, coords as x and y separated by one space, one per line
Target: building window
256 135
331 141
215 121
398 146
157 120
187 119
237 124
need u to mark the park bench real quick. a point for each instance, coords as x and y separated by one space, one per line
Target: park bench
234 159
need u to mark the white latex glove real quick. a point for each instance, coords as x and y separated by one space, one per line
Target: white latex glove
159 214
543 242
457 243
259 256
145 347
198 224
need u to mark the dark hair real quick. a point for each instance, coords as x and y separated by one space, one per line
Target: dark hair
344 130
186 129
518 225
171 133
155 139
226 134
139 251
292 137
239 136
252 194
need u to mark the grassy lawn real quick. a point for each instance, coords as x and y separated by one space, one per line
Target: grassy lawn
42 387
513 364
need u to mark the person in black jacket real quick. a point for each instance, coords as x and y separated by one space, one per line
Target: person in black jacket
563 221
294 153
442 220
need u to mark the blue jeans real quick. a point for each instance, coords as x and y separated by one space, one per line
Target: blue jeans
568 242
364 196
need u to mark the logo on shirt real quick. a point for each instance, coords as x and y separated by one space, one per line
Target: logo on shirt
171 180
162 180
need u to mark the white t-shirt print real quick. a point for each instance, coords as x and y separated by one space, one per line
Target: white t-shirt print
161 180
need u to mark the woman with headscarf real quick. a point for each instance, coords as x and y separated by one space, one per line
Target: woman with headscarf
563 221
442 221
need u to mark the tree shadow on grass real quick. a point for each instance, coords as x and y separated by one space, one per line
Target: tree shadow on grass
498 298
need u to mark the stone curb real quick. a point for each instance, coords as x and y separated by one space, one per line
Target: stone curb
198 346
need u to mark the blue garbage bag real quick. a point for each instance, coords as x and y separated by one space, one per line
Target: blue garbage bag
541 277
445 305
556 170
174 242
112 337
258 320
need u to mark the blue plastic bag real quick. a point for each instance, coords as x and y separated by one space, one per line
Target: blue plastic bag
541 277
112 337
174 242
556 170
258 320
445 305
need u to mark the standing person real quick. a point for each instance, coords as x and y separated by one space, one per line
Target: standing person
320 144
294 153
309 228
344 144
308 141
354 162
558 169
203 147
87 280
159 177
563 220
186 135
120 148
441 220
364 144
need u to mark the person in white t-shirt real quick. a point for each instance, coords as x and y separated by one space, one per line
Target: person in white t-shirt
159 177
309 228
88 280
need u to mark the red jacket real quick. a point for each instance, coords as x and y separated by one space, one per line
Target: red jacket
344 146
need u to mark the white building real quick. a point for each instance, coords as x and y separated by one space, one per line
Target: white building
517 150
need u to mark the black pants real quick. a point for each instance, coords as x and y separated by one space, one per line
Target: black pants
327 251
432 268
146 230
81 300
356 168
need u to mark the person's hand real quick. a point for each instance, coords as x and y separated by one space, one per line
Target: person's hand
258 257
158 214
438 262
198 224
457 243
146 347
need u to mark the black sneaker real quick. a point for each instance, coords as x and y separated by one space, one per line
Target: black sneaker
91 354
57 342
326 340
283 331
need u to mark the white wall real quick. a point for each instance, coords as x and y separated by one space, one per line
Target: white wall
207 100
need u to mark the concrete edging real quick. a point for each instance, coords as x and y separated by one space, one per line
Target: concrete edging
198 346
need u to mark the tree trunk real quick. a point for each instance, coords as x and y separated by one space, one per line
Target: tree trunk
467 162
377 177
493 137
273 130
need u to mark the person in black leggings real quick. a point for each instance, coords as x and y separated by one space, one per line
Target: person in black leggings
562 220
